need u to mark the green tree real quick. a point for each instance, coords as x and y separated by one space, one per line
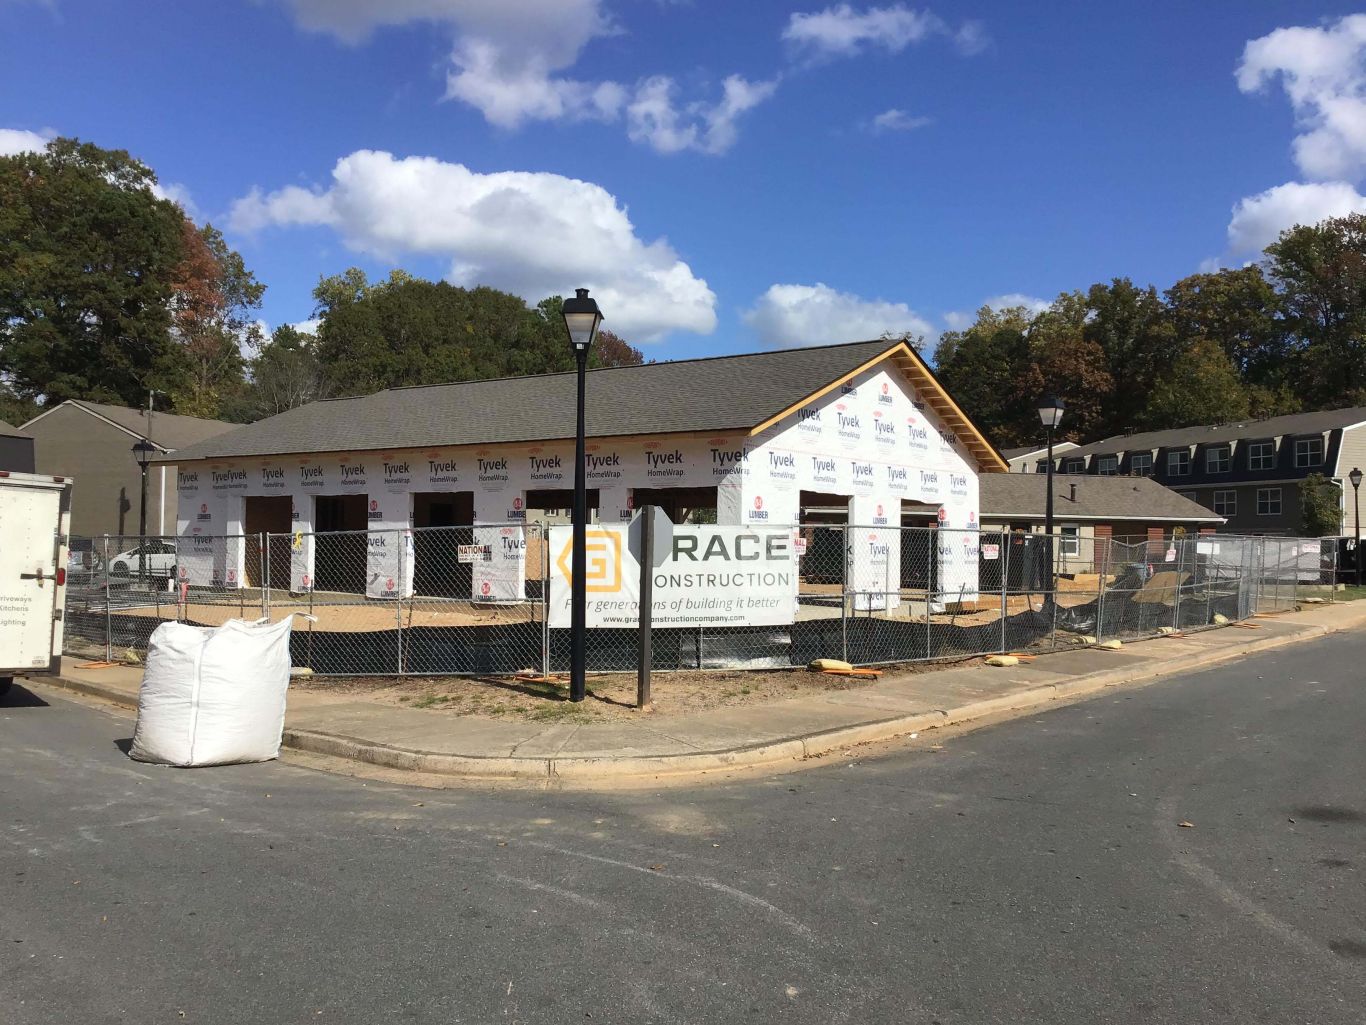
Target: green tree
1202 387
1131 326
1240 311
1320 512
285 373
981 367
406 331
87 255
1064 362
1320 271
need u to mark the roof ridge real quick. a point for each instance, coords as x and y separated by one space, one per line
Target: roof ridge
628 366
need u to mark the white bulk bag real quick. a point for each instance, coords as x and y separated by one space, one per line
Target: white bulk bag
213 696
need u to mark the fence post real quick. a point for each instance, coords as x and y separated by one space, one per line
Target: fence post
844 594
1100 601
263 557
108 615
1181 547
398 598
1003 554
544 531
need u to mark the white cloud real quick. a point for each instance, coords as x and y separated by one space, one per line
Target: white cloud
307 327
842 31
1032 303
179 194
509 58
14 141
653 118
1258 220
534 234
788 315
1323 73
895 120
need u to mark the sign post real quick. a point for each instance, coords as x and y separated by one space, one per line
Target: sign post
644 649
650 527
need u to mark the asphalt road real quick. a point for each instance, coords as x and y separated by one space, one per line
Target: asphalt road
1033 871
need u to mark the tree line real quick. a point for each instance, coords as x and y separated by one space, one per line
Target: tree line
109 290
1284 335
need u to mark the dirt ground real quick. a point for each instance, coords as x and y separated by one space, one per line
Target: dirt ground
610 695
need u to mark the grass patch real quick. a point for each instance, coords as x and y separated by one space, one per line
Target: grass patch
1352 593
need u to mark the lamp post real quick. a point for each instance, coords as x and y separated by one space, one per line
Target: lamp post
1050 413
581 320
143 452
1355 478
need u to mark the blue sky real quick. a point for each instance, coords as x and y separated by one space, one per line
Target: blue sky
724 176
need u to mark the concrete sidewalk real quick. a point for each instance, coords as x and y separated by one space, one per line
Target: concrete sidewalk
769 733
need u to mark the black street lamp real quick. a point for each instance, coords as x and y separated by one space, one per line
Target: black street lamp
1051 412
143 452
1355 478
581 320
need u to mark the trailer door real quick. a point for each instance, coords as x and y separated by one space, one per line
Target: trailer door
29 589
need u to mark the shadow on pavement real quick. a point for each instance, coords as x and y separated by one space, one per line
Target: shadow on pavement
19 696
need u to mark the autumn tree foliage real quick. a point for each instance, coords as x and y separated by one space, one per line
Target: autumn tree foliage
108 291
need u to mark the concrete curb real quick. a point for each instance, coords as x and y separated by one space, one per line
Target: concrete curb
787 749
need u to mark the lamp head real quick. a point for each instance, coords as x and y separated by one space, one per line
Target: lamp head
581 320
1050 410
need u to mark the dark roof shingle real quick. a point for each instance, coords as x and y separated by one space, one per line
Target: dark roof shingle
1271 427
170 431
713 394
1022 495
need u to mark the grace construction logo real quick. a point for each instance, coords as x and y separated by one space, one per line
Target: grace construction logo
602 562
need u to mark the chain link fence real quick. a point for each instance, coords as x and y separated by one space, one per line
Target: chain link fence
474 600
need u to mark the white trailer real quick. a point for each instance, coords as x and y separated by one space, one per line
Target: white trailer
35 511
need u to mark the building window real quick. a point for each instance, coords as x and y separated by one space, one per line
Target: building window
1107 466
1074 466
1141 464
1268 501
1308 452
1070 542
1218 459
1041 466
1178 463
1226 503
1261 455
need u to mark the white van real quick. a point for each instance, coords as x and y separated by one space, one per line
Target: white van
34 514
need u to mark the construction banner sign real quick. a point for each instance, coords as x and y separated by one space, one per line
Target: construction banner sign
712 576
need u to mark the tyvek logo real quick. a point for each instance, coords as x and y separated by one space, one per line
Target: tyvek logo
602 562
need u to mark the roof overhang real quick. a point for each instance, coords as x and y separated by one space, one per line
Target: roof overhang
1074 518
908 361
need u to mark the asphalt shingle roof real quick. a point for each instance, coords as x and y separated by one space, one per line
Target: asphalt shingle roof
10 431
1022 495
715 394
170 431
1271 427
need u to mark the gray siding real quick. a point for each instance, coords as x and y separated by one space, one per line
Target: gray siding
72 443
16 454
